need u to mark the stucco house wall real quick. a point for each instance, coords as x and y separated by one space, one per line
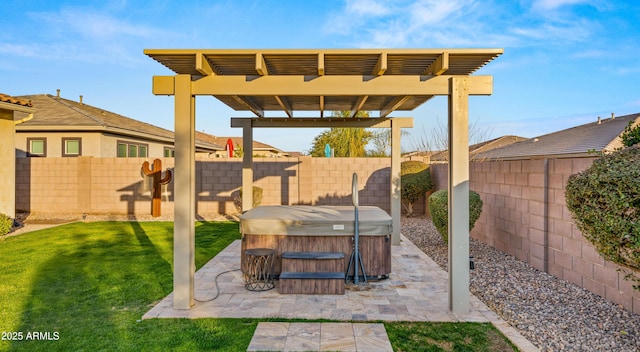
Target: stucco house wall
8 169
94 143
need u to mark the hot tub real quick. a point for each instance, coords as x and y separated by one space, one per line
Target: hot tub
303 228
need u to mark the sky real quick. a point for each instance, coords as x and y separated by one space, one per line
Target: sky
565 62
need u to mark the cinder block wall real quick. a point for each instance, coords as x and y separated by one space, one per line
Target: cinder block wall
524 217
116 185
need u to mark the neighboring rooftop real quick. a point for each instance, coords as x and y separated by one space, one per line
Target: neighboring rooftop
59 114
13 100
439 156
476 149
601 135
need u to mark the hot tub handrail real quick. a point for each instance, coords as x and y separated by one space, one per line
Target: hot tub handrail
355 255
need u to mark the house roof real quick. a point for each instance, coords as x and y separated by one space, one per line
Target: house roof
14 104
221 140
477 148
13 100
237 141
601 135
319 80
54 113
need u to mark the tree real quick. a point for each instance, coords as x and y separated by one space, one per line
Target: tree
345 142
415 178
381 142
631 135
439 137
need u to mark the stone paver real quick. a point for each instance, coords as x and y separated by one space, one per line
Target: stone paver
416 290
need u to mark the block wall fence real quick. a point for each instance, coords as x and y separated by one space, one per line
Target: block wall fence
524 214
87 185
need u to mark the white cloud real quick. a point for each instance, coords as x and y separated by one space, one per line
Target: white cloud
75 34
18 50
456 23
94 25
576 31
554 4
367 8
435 12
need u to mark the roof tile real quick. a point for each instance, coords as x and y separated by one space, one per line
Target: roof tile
12 100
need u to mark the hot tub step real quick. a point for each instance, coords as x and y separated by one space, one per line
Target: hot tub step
313 261
313 255
329 275
312 283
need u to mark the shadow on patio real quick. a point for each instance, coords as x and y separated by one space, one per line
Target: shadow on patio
415 291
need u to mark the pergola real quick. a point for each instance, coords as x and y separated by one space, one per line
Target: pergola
314 81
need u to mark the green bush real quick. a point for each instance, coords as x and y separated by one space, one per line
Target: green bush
6 223
605 203
631 135
415 178
257 196
439 208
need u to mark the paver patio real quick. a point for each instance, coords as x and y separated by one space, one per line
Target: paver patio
415 291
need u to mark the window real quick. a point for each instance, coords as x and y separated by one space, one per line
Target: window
71 146
122 150
36 146
169 152
132 150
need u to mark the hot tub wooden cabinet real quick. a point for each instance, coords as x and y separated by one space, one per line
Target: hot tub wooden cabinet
313 237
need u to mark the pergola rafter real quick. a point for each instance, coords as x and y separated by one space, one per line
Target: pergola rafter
315 81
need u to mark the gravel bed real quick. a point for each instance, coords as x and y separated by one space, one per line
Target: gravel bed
553 314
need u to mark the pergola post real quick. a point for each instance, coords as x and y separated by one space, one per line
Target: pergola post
247 165
459 196
395 182
184 194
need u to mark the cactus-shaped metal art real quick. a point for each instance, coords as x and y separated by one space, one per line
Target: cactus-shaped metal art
158 181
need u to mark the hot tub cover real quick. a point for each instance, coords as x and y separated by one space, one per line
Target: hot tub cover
306 220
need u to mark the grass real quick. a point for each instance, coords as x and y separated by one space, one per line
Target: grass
92 282
86 286
409 337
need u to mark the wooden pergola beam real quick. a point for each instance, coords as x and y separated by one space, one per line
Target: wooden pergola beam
261 65
351 85
439 66
284 104
316 122
358 105
321 64
381 65
393 105
203 66
249 104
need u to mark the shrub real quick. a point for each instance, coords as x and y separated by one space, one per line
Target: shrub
6 223
605 203
631 135
257 197
439 208
415 178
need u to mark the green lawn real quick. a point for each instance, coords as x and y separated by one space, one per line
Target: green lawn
85 287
